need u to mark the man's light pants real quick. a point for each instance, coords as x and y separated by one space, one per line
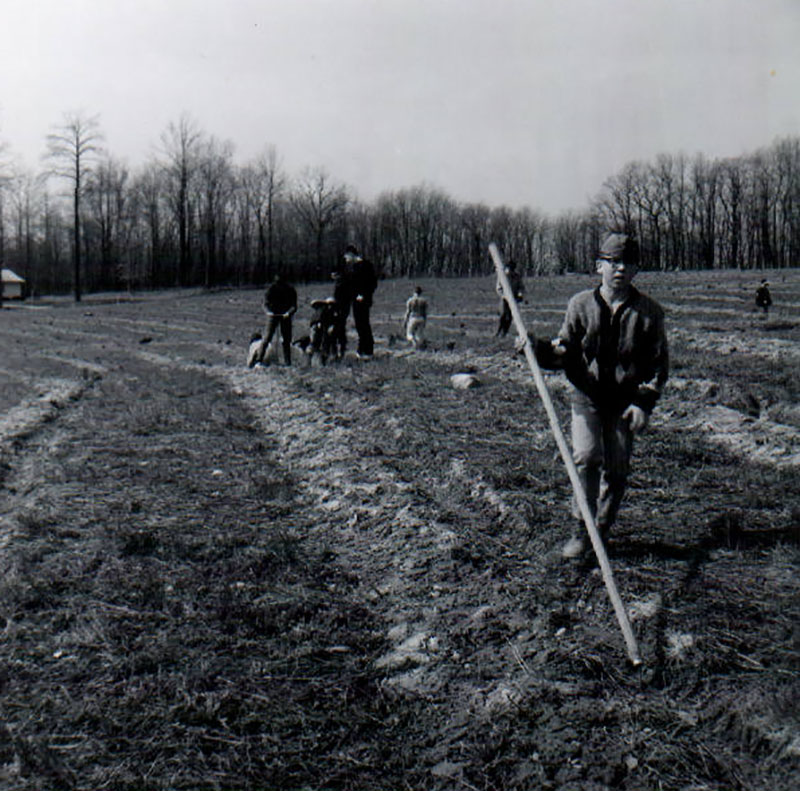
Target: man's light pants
601 447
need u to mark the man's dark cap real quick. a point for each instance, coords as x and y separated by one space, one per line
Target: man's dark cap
351 248
620 247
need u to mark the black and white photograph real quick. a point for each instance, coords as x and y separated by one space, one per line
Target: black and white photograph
400 395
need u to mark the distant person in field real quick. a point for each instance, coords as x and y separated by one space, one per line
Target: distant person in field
363 282
416 317
323 329
518 287
342 299
613 348
280 304
763 297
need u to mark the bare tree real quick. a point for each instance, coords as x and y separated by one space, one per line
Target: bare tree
181 143
432 216
107 195
475 235
55 241
69 149
566 233
319 204
24 191
731 198
397 231
214 186
616 204
3 183
263 183
149 192
787 163
670 181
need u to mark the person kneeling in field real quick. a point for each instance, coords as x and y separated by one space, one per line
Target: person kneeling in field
323 329
416 318
613 348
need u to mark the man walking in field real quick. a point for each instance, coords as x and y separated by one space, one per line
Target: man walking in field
613 348
416 318
518 287
280 304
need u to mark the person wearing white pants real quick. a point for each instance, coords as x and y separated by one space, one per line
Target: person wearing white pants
416 318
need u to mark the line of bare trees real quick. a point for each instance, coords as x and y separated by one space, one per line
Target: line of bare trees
192 216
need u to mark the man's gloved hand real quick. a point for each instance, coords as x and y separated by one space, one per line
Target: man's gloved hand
636 417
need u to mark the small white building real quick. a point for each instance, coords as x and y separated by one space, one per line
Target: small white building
13 285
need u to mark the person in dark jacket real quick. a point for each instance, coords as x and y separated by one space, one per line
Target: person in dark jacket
763 297
613 348
280 304
518 287
363 283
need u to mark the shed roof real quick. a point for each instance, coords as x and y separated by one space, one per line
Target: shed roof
12 277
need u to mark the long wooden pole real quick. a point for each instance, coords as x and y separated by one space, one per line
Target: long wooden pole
566 455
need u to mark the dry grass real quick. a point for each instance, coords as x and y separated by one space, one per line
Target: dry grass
345 577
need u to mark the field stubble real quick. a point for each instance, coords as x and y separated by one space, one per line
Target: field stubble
347 577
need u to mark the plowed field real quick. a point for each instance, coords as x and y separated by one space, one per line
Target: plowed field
348 577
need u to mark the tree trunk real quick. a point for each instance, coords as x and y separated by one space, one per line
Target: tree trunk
77 238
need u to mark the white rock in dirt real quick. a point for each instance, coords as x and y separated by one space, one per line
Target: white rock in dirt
397 633
645 608
413 681
501 699
414 643
481 614
678 643
446 769
445 539
464 381
793 748
410 651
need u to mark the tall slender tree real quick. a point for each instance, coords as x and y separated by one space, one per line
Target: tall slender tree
181 146
70 148
106 197
4 180
24 190
214 186
149 194
263 182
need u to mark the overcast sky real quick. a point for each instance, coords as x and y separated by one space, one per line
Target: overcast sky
516 102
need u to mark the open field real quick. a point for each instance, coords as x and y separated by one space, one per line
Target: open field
348 577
